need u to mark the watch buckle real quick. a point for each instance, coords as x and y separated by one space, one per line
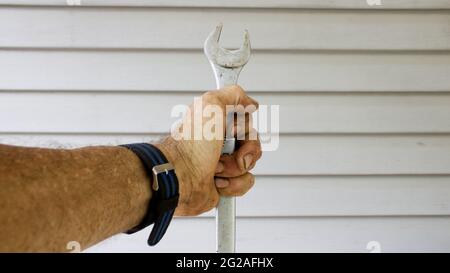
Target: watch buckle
163 168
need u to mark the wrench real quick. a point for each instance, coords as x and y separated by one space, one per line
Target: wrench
226 64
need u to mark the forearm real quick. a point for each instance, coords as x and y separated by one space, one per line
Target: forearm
49 197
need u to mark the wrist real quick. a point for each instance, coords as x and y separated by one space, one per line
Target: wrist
173 151
136 186
165 187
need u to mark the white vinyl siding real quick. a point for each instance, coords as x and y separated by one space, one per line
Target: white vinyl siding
364 95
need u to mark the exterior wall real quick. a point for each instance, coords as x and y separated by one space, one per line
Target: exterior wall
364 95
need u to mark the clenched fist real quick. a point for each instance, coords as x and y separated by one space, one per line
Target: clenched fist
203 173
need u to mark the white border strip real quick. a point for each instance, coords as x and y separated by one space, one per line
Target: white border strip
307 4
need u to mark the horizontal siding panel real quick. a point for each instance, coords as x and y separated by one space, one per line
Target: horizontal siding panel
106 112
318 234
364 92
181 71
307 154
313 4
346 154
161 28
347 195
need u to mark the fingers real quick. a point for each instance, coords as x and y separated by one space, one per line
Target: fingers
235 186
237 109
228 166
232 95
241 161
243 125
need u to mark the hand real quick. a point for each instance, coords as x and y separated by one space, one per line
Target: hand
202 171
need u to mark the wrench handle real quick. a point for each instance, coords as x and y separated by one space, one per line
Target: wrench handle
226 214
226 209
226 77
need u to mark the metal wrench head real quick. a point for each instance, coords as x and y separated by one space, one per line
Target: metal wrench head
224 57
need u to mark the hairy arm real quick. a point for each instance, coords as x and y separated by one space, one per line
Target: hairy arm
49 197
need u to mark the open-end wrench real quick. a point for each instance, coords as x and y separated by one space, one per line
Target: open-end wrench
226 64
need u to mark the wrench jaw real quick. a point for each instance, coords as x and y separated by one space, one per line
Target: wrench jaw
224 57
235 58
211 45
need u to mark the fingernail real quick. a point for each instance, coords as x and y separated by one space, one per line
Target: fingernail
219 167
248 159
222 182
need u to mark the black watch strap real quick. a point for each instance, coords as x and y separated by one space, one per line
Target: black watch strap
165 190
